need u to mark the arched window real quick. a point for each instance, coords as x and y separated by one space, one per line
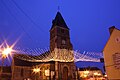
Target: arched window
63 41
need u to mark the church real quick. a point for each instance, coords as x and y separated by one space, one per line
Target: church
55 64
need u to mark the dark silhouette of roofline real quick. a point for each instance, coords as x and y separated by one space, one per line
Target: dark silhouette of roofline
59 21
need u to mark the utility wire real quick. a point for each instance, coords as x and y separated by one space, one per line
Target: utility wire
16 20
27 15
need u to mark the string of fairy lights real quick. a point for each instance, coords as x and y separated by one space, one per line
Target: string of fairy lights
43 55
62 55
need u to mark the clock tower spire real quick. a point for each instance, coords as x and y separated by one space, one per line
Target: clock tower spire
59 34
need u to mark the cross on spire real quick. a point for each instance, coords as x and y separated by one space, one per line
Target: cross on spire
58 8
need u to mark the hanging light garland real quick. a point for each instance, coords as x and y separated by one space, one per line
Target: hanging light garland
62 55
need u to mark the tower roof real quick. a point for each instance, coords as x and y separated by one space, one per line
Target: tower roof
59 21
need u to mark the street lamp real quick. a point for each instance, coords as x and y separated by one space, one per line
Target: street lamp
6 50
4 54
36 70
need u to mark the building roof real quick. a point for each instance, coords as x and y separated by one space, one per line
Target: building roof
59 21
19 62
89 68
46 57
28 60
111 30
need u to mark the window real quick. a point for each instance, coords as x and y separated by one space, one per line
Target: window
63 41
117 39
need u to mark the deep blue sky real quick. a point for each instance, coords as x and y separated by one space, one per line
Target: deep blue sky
88 21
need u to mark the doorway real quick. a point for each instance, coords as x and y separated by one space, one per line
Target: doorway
65 73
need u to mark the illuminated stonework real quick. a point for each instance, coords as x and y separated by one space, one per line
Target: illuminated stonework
55 64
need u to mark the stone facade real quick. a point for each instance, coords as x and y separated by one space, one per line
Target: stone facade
5 73
21 73
60 67
60 39
59 34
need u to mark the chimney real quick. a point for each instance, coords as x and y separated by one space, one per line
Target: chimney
111 29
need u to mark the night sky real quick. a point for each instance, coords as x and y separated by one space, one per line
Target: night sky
31 20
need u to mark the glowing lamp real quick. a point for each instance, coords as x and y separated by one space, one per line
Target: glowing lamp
36 70
6 51
95 73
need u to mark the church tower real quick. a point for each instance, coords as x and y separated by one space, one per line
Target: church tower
62 49
59 34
